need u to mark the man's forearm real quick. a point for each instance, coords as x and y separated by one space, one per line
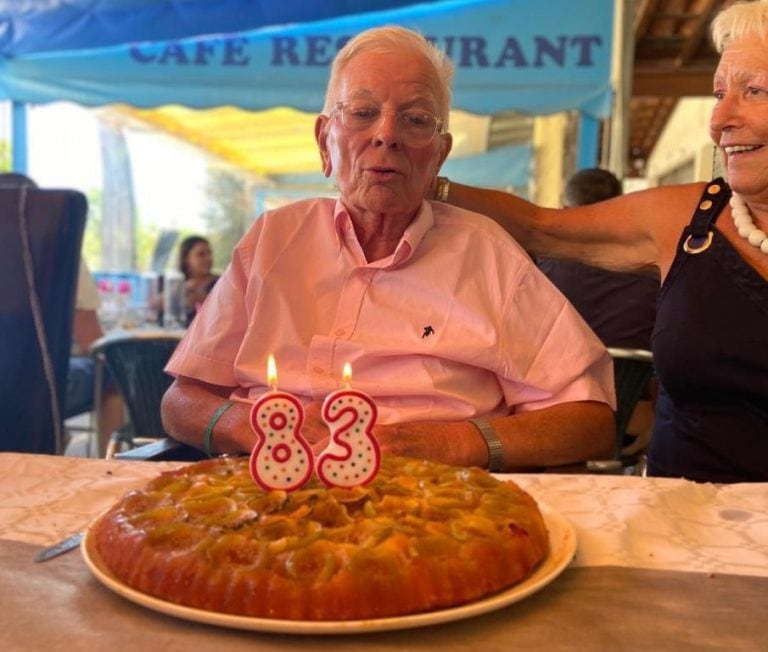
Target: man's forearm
561 434
187 411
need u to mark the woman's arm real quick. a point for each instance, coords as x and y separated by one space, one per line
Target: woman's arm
633 232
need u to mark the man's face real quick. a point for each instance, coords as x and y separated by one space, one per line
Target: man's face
379 169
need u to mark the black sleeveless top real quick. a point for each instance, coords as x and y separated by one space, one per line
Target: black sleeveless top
710 346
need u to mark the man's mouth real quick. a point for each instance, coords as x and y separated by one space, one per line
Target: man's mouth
382 172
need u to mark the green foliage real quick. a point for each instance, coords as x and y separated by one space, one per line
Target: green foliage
5 156
146 236
227 214
91 249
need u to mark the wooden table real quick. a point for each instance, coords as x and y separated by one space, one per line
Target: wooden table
661 564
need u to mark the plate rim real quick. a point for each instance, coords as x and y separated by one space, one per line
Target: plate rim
562 549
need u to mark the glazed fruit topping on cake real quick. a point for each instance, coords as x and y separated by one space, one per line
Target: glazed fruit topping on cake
420 536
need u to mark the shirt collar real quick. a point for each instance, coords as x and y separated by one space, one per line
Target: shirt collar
411 239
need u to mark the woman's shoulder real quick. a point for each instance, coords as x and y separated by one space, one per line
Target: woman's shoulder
667 201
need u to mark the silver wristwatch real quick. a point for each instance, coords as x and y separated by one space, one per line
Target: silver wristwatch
495 451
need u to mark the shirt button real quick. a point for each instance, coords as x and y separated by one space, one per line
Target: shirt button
317 370
340 332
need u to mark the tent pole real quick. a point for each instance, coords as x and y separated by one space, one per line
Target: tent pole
19 136
622 66
588 143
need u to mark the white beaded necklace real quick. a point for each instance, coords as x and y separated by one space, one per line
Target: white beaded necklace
745 226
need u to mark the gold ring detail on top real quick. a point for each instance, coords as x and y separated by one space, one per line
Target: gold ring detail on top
690 248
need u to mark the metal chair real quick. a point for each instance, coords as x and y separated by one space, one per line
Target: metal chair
135 361
632 372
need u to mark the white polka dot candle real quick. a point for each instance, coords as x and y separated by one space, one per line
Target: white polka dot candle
352 456
281 458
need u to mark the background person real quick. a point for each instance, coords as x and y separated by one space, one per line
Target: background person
710 341
391 283
196 263
619 306
81 377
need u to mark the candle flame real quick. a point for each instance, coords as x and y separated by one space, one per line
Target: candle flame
272 372
346 374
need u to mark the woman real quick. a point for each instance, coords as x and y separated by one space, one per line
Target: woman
710 341
195 263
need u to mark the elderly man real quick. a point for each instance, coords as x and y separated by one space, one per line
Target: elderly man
471 355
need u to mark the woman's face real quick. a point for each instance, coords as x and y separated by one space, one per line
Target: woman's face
739 124
376 170
200 259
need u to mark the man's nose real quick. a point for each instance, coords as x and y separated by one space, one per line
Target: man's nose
387 131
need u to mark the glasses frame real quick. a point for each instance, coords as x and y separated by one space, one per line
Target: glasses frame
339 109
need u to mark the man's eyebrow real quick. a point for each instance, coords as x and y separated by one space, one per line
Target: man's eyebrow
361 94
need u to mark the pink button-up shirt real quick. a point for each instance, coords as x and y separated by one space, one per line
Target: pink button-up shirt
457 323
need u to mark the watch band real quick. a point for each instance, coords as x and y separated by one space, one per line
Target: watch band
442 188
495 451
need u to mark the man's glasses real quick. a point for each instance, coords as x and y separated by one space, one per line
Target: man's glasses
417 127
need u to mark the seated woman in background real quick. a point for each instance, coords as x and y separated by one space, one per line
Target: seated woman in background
195 262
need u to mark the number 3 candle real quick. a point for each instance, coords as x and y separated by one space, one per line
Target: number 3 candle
352 457
281 458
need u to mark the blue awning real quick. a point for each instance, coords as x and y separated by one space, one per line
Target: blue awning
518 55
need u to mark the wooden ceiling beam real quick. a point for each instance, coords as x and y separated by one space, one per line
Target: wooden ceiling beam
671 82
697 31
644 12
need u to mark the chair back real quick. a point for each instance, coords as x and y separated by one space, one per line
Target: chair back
40 235
135 362
632 370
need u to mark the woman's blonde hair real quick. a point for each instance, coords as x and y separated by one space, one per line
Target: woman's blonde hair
739 20
392 38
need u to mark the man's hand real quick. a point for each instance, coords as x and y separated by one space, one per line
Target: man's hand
314 430
443 443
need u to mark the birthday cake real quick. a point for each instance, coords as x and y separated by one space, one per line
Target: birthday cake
420 536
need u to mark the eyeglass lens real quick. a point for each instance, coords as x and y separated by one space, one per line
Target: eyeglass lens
418 127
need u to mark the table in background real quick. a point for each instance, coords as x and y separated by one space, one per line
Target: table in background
661 564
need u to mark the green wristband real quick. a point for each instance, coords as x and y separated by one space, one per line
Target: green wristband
208 435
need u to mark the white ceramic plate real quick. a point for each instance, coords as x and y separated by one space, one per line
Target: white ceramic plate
562 541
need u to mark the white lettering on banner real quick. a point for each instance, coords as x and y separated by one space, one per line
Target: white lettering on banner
576 50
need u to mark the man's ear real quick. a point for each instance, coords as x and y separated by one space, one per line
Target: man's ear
445 148
322 125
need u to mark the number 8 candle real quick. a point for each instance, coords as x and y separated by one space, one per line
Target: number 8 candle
281 458
352 457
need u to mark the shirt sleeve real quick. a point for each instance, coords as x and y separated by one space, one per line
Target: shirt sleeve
551 350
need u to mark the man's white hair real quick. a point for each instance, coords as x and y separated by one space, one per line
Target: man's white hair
392 38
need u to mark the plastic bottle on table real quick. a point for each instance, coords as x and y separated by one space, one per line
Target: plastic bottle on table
173 299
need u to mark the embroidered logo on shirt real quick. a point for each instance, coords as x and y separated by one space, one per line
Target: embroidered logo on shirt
428 330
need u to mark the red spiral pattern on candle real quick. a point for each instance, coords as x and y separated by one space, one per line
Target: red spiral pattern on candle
352 457
281 458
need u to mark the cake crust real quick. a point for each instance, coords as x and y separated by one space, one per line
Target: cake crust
421 536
